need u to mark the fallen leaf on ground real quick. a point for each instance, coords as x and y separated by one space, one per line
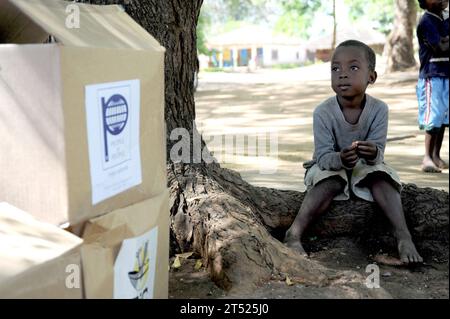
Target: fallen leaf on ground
288 281
185 255
176 263
198 264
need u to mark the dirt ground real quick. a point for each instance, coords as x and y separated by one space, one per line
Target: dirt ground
279 101
428 281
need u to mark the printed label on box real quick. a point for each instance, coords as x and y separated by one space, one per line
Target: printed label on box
134 269
112 114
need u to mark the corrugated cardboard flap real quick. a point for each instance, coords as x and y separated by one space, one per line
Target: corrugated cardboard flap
17 27
26 242
99 26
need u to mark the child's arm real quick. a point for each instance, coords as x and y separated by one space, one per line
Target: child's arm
326 156
372 149
443 44
432 39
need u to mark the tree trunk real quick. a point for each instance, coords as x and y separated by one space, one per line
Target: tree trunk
236 227
399 47
333 42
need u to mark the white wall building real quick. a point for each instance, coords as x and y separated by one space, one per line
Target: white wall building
254 45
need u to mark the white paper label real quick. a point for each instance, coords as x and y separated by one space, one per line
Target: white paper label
112 114
134 269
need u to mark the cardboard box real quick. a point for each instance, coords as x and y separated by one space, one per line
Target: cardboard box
82 119
37 260
125 253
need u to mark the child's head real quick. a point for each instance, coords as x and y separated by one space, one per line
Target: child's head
435 6
352 68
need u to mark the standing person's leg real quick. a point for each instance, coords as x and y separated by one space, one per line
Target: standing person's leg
426 117
316 202
437 116
428 165
437 149
389 200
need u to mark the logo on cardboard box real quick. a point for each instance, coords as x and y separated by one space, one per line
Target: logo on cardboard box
134 269
115 116
116 132
139 275
112 113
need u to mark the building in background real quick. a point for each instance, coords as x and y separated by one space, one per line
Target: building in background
255 46
320 47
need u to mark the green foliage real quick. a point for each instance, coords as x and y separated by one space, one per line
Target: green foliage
294 23
243 9
218 16
204 22
379 11
298 16
252 11
302 6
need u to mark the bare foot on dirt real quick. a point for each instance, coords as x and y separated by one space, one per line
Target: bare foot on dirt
408 253
295 245
384 259
440 163
428 166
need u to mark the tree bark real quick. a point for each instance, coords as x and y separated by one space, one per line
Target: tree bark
333 42
234 226
399 46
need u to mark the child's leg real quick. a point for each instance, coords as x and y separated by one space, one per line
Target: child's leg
428 165
316 202
389 200
436 155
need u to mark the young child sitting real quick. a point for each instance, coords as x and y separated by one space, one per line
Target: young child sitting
349 140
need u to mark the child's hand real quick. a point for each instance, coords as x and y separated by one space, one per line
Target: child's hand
366 149
348 156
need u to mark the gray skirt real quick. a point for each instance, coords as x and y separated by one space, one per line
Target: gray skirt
354 178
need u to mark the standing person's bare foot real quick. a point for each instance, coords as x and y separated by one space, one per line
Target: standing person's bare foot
408 252
440 163
295 244
428 166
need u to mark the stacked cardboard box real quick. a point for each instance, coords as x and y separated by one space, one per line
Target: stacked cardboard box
83 118
37 260
82 123
126 252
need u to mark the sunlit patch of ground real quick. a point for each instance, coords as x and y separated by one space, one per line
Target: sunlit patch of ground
235 107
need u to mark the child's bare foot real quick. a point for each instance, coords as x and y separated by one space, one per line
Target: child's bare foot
296 245
428 166
407 251
440 163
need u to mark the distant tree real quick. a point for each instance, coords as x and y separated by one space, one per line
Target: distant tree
204 22
217 16
379 13
399 47
223 11
298 16
333 43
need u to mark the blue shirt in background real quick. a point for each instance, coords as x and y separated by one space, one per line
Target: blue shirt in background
433 62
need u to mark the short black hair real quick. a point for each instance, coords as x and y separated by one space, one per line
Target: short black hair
423 4
370 54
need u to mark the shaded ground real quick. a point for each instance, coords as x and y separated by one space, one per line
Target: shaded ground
429 281
282 101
